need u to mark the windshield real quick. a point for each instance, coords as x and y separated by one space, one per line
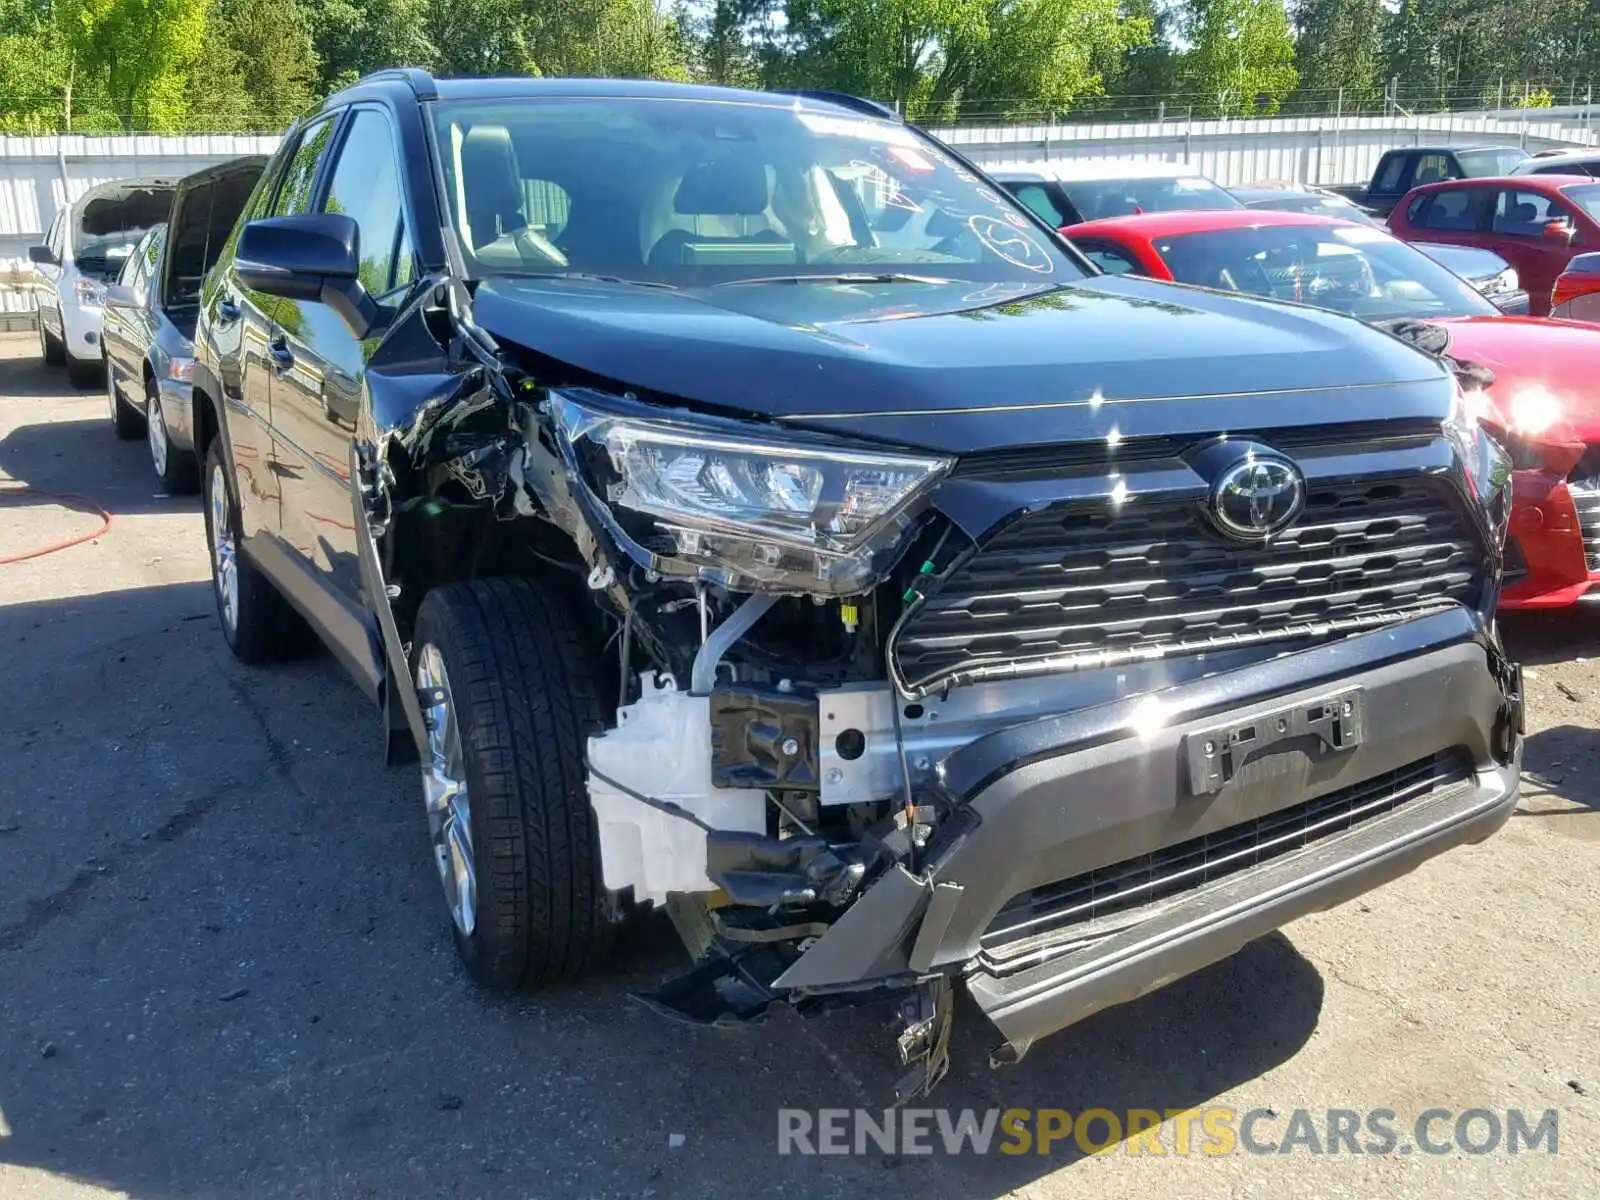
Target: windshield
688 193
1586 196
1353 269
1123 197
1480 164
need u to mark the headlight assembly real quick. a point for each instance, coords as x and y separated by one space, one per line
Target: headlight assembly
747 509
1484 461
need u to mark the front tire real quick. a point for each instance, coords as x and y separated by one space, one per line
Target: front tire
175 468
51 348
257 622
83 374
511 696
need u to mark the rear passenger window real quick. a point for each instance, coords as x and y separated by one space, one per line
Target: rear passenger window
1393 170
294 196
1525 214
366 187
1455 211
548 206
1036 197
1432 168
1108 258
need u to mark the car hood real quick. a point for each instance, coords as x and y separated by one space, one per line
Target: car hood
959 367
1536 357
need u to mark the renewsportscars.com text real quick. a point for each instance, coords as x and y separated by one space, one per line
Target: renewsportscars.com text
1200 1131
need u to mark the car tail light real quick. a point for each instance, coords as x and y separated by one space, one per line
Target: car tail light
1573 284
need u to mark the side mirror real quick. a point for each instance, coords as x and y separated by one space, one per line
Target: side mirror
120 293
316 257
1558 231
43 256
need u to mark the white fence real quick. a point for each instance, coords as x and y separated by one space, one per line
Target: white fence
38 175
1238 152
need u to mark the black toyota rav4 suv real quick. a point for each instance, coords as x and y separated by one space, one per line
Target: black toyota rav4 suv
743 507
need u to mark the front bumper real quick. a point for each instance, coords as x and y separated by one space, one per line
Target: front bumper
1549 544
1060 797
80 330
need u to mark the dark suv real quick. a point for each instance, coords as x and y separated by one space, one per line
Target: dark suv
744 507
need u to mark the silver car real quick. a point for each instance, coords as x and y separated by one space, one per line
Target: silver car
150 313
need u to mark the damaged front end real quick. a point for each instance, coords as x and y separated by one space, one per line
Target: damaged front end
887 721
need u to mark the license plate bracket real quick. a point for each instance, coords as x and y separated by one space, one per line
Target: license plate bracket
1215 755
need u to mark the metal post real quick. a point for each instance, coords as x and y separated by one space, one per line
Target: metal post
1338 122
1188 137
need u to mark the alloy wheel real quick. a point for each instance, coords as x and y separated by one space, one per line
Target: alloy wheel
156 428
444 791
224 560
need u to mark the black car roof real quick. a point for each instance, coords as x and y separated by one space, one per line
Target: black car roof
424 87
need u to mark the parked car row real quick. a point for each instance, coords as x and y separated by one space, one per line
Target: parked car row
774 519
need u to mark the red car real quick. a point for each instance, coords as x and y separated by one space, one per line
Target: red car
1544 397
1534 222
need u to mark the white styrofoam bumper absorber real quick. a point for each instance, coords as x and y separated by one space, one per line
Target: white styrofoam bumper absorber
661 748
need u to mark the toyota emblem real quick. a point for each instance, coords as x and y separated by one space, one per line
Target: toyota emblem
1257 496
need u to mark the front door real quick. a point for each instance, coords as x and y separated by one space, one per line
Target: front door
316 393
1527 233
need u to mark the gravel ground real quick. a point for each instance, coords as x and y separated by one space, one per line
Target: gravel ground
225 970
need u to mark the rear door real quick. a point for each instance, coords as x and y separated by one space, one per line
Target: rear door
316 389
125 327
1525 227
1456 216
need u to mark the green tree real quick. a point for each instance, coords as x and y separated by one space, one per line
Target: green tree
1145 75
946 59
1338 48
258 68
483 37
354 37
139 51
1242 56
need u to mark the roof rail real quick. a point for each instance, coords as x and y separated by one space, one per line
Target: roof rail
420 82
845 100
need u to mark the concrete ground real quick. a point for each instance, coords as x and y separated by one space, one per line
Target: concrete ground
225 969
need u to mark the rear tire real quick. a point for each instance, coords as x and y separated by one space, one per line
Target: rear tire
125 419
51 348
87 374
521 690
258 624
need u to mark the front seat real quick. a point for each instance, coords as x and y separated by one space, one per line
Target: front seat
732 187
491 186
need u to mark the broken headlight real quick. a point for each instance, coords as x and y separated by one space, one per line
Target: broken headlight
746 509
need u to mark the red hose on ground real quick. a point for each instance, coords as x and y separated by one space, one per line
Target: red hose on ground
67 499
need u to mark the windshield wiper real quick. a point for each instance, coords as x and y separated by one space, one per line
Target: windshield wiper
844 277
588 277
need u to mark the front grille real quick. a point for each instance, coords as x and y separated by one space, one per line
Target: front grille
1064 917
1586 499
1076 586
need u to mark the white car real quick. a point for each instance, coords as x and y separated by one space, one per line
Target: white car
1073 190
86 246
